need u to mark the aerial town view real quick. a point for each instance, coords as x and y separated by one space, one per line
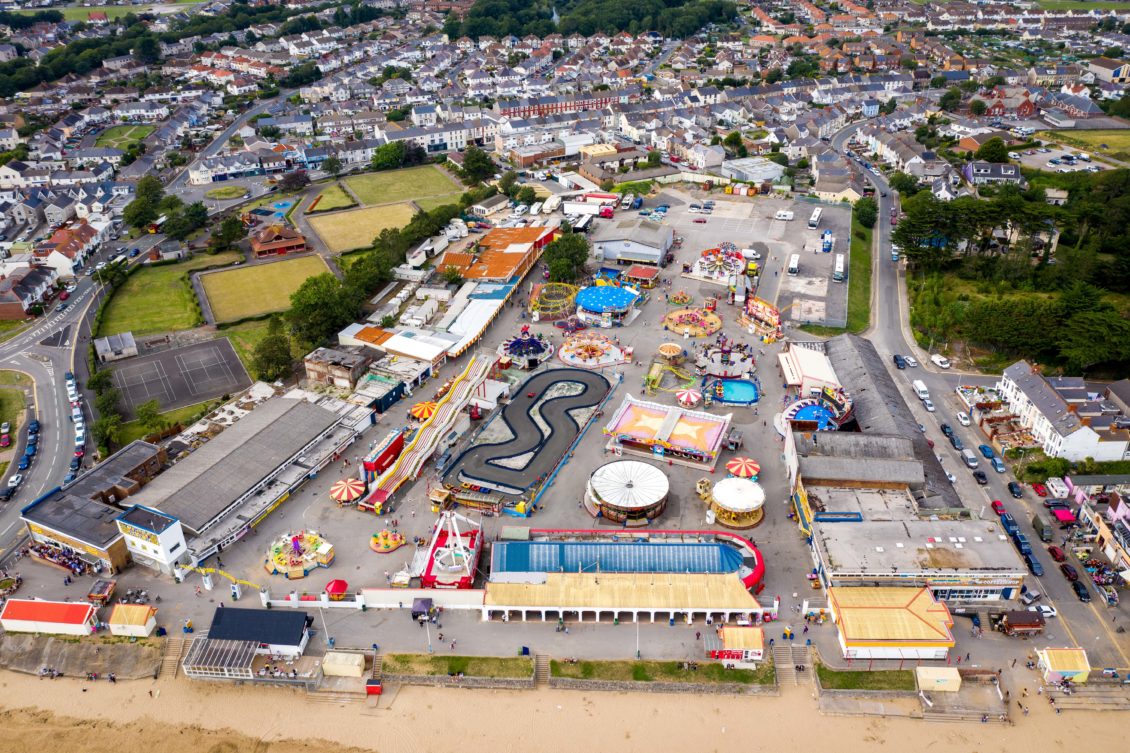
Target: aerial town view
531 375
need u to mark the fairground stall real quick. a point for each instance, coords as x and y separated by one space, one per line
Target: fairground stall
666 432
627 491
736 503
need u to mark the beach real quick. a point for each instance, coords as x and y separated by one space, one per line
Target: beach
183 716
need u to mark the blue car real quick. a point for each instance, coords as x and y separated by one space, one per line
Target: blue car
986 451
25 463
1034 565
31 450
70 477
998 466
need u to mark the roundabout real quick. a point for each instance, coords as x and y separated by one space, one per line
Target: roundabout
692 322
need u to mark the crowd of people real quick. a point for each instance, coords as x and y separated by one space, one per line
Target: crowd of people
60 557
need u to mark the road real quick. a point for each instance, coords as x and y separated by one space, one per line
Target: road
52 345
1088 625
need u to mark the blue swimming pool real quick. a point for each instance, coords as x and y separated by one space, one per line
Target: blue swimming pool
735 391
815 412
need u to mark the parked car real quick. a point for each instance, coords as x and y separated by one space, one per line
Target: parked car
928 405
1015 490
1034 565
1069 572
998 507
947 430
900 362
31 450
1040 489
998 465
910 361
986 451
71 476
1057 554
5 427
5 440
33 426
15 481
75 463
940 361
699 220
1044 610
956 442
7 493
980 477
25 463
963 419
1081 592
64 295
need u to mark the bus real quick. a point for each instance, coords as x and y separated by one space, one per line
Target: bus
814 220
839 273
794 265
583 224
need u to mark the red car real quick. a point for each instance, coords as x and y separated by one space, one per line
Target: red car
700 221
5 440
1057 554
1040 490
64 295
1069 572
998 507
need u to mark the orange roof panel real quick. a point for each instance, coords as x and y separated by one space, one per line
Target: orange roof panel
59 612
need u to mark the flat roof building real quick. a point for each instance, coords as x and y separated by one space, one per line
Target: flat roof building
632 240
891 623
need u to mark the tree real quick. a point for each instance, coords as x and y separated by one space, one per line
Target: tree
477 164
566 257
293 181
332 165
938 82
993 150
149 416
733 139
139 213
907 185
526 195
507 182
654 158
107 430
951 100
1121 107
977 107
389 156
230 232
147 51
452 276
607 184
99 381
867 212
272 359
320 307
1094 337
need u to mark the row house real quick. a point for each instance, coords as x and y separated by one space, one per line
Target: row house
145 112
223 167
441 138
899 149
24 289
68 248
541 106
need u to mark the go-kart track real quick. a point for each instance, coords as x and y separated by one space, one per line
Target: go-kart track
482 465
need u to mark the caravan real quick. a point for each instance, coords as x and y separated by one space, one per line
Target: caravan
794 265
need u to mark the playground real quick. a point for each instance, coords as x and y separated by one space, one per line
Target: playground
522 445
295 555
592 350
692 322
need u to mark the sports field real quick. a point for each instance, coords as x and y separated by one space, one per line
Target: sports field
258 289
334 197
120 137
1114 142
158 299
402 185
356 228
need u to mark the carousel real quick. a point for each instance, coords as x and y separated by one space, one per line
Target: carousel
630 492
692 322
294 555
525 350
733 502
607 305
591 350
717 265
347 491
552 301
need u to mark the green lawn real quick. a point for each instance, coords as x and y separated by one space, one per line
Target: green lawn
244 337
471 666
402 185
120 137
226 193
14 378
1080 5
244 292
158 299
1115 143
132 430
9 328
79 13
889 679
431 202
859 279
334 197
356 228
661 671
12 404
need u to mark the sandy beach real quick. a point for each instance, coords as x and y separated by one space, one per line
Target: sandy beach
183 716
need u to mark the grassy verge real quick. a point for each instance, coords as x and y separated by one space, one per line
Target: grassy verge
661 671
9 328
890 679
9 377
132 430
334 197
224 193
471 666
244 337
859 285
3 469
12 404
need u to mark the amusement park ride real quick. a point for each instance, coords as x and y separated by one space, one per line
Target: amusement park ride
451 557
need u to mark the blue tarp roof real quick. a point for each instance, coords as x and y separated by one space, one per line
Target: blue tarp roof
613 557
606 298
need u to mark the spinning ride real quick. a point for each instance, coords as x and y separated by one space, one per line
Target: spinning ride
692 322
552 301
591 350
737 503
294 555
525 350
627 491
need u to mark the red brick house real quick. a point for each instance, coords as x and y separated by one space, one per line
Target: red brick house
277 240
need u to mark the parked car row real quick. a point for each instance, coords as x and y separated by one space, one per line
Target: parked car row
78 417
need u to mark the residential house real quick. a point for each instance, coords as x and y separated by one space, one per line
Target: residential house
23 290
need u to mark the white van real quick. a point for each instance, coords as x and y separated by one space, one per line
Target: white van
920 389
794 265
785 215
969 457
940 361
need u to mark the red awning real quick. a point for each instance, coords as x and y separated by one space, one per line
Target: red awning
641 272
1063 516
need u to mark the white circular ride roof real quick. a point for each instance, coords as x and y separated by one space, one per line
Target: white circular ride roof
629 484
739 494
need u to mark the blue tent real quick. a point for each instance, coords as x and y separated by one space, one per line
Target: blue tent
606 298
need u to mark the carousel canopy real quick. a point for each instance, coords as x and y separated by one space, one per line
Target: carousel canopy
670 349
347 490
743 467
423 411
606 298
739 494
629 484
689 397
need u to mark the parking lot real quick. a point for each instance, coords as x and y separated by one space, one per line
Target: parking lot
1040 160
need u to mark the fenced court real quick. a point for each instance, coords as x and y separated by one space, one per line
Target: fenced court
402 185
356 228
258 289
180 376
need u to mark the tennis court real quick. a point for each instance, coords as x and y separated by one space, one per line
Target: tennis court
180 376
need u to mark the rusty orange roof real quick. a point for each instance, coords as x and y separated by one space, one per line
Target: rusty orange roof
499 255
373 335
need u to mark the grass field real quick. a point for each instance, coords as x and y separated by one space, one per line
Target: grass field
334 197
345 231
9 328
120 137
402 185
471 666
259 289
893 679
244 337
859 278
431 202
79 13
224 193
158 299
12 404
1115 143
661 671
132 430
